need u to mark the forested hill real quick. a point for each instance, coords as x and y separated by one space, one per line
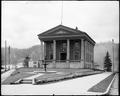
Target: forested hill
100 52
17 55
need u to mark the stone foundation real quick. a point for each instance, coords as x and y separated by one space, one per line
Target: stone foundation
65 65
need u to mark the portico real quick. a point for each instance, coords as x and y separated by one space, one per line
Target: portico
64 47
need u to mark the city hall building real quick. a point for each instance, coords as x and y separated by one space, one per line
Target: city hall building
64 47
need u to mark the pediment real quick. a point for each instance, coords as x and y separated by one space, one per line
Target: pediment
61 30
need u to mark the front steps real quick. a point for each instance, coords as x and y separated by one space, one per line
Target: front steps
25 81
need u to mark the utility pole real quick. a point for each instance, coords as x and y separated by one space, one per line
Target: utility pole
9 55
5 55
113 54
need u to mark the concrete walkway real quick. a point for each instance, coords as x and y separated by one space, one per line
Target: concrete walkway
6 74
37 75
34 76
78 86
114 88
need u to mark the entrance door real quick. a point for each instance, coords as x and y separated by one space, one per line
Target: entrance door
63 56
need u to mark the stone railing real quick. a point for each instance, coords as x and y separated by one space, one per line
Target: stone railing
62 60
49 61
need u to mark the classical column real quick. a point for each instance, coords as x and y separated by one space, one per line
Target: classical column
54 51
93 56
68 50
42 50
85 53
82 53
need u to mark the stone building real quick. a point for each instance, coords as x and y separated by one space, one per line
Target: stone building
64 47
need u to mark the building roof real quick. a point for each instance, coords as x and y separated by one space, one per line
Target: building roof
64 32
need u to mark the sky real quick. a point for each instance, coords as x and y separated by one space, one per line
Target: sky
22 21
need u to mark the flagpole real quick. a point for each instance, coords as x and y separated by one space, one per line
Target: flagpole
62 13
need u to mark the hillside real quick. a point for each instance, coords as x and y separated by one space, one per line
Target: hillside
100 50
17 55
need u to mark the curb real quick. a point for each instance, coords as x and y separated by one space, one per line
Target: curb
108 89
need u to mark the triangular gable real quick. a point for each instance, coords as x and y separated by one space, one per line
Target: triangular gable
61 30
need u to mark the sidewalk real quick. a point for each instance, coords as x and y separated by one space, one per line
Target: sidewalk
6 74
78 86
114 88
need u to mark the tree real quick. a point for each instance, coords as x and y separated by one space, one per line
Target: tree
26 61
107 62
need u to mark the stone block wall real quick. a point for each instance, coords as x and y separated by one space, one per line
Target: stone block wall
65 65
75 65
62 65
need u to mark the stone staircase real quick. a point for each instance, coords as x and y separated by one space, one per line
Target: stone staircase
26 81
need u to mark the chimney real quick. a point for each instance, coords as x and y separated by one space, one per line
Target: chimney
76 28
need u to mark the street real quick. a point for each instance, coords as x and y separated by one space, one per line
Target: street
78 86
6 74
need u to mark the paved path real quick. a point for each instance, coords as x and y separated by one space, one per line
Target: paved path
34 76
6 74
37 75
114 88
78 86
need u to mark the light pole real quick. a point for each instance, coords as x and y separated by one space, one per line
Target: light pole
113 54
45 65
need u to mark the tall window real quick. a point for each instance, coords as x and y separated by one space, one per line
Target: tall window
51 56
50 51
77 45
76 51
64 46
76 56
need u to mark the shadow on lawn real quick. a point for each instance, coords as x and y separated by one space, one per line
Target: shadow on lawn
49 77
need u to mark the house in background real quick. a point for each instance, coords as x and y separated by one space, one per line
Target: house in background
35 64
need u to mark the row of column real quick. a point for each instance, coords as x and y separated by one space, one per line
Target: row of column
43 50
89 52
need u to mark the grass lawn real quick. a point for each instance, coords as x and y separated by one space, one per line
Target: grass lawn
19 74
103 85
59 73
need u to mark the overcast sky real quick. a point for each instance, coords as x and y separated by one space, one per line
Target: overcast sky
22 21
